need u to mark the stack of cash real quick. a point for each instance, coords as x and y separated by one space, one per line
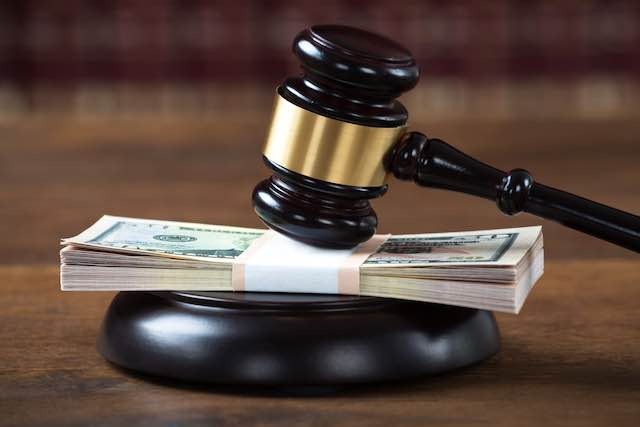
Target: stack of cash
489 269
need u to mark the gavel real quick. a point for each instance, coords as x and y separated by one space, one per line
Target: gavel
337 131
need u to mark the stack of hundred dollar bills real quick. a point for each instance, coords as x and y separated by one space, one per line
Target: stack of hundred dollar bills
489 269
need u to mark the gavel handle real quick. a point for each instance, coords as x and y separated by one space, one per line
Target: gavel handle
434 163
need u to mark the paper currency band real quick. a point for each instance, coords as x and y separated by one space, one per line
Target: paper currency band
274 263
328 149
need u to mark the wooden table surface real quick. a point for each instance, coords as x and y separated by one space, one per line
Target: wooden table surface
572 357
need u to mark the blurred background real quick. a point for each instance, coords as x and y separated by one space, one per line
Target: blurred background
158 108
489 58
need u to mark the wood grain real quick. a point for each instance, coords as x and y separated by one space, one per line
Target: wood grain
572 357
59 175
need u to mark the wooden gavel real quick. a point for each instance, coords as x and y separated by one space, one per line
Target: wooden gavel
337 131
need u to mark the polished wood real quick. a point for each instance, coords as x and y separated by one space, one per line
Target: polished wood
572 357
313 211
60 174
296 341
434 163
353 75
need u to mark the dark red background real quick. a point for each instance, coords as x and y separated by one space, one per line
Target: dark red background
62 42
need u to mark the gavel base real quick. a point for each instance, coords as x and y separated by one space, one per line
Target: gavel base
291 340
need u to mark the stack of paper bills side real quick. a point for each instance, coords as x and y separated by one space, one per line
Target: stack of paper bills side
487 269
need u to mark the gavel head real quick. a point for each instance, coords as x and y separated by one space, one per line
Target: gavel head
330 132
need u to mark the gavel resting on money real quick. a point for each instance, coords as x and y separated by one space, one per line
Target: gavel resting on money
238 306
337 131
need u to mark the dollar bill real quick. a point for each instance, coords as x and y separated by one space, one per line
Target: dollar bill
216 243
487 269
170 238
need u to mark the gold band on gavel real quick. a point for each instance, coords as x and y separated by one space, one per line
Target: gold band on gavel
328 149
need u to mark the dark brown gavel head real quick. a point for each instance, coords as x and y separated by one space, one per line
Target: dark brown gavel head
331 130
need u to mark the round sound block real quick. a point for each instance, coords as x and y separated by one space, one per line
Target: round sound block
291 339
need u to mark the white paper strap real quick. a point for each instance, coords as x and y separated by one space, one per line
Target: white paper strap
275 263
